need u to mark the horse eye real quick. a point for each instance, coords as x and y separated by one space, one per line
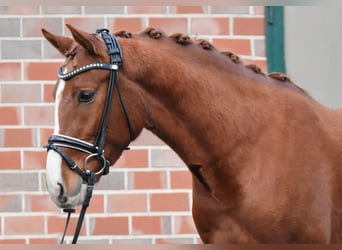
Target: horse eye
86 96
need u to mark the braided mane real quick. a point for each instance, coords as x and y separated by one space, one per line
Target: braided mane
185 40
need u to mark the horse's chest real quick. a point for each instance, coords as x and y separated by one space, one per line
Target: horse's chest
220 228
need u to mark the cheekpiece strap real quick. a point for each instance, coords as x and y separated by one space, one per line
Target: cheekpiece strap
113 47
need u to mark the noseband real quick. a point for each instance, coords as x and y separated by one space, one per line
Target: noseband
96 150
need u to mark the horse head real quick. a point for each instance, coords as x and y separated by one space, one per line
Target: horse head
94 121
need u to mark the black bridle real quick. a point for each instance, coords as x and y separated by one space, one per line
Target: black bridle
96 150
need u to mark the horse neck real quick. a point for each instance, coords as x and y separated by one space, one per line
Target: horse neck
195 108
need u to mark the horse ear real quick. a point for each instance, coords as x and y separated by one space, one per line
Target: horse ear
86 40
61 43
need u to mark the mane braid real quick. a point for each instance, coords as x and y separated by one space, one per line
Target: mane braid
231 56
255 68
181 39
286 81
204 44
184 40
153 33
123 34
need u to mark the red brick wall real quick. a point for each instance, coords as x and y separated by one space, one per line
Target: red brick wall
147 196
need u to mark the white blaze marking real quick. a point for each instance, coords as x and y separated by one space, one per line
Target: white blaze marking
53 174
59 92
54 160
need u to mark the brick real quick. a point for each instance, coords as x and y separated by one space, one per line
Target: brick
261 63
10 71
21 93
189 9
39 203
109 225
165 158
148 180
169 202
249 26
259 10
55 224
89 24
126 203
259 46
10 27
180 180
41 70
13 241
44 241
229 9
170 25
210 26
64 10
146 9
39 115
10 115
144 225
42 180
10 160
134 158
96 204
90 241
130 24
18 10
21 49
10 203
113 10
146 138
34 159
29 225
184 225
237 46
32 26
48 90
18 137
113 181
49 52
45 133
19 181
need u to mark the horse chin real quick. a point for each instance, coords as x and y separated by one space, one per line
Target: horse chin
58 190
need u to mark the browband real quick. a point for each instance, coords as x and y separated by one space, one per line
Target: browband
85 68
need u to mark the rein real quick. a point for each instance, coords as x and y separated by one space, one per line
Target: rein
96 150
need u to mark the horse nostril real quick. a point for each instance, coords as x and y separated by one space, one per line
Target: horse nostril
61 192
61 197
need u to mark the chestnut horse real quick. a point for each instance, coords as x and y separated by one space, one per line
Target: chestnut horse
265 157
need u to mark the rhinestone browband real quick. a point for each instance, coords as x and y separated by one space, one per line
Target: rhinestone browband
84 68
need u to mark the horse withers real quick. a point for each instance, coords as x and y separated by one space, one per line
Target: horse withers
265 156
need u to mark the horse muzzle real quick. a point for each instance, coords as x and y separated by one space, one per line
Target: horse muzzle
63 197
57 142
